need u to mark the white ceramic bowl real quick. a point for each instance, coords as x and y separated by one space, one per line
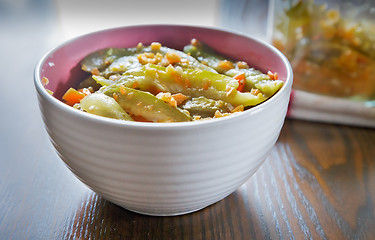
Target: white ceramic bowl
161 168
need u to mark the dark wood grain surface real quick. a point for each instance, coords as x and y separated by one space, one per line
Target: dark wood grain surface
317 183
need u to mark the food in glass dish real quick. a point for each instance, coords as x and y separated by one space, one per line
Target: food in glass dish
331 47
158 84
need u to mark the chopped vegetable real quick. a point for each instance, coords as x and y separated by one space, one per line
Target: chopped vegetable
146 105
205 107
102 105
253 77
73 96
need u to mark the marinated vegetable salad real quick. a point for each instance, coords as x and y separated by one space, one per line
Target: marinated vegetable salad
158 84
331 49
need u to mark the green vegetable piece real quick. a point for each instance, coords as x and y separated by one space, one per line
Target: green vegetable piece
257 79
192 62
102 80
190 82
199 82
171 79
254 78
182 80
145 104
269 87
246 99
102 105
122 64
205 54
205 107
89 82
134 78
102 58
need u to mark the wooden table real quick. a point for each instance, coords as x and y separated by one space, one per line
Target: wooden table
317 183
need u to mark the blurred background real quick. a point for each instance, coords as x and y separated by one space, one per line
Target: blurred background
65 19
77 17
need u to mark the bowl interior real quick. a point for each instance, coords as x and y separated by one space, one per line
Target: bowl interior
62 65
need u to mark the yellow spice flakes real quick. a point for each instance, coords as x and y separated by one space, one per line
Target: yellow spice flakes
139 45
229 91
239 108
172 57
155 46
168 98
242 65
194 42
225 65
255 91
45 81
122 90
95 71
219 114
115 96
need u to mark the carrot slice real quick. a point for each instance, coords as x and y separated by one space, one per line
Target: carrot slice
241 77
73 96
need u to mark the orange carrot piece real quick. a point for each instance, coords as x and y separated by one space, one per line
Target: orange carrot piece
272 75
73 96
241 81
225 65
